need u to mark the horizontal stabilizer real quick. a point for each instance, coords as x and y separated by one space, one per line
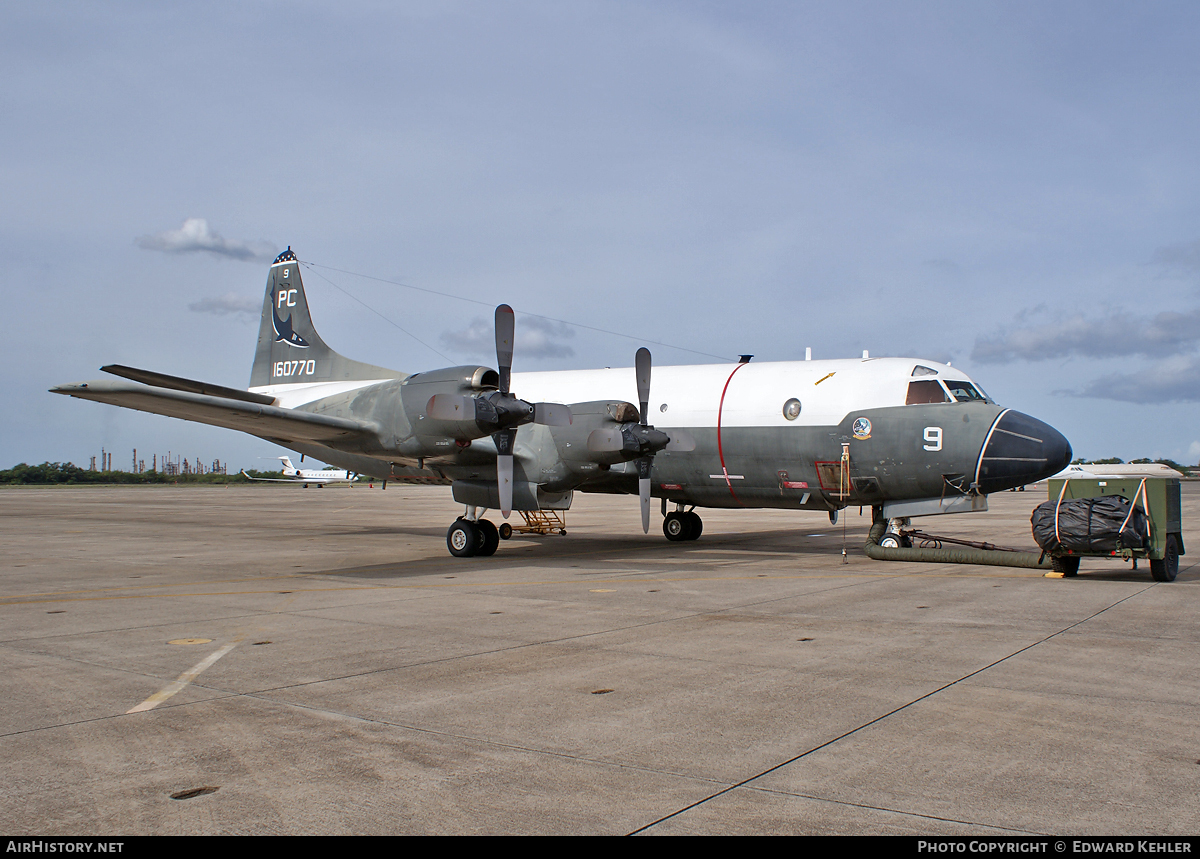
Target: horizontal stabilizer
265 421
176 383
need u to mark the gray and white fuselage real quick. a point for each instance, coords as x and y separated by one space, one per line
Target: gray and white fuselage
909 434
752 451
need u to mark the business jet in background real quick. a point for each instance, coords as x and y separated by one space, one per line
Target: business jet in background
305 476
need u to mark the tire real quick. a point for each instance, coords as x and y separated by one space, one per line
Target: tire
505 530
490 538
463 539
697 525
676 526
890 541
1068 565
1168 568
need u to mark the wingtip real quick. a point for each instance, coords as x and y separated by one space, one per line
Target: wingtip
70 388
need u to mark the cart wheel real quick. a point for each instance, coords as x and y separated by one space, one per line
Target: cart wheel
562 531
505 531
1068 565
1168 568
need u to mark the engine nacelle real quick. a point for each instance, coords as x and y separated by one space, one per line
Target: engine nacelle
434 436
572 441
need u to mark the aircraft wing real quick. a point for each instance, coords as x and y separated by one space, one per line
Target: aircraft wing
162 380
269 422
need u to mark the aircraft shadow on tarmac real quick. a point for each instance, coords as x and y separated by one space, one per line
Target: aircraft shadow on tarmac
554 550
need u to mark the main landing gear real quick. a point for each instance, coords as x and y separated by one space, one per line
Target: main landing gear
679 525
468 537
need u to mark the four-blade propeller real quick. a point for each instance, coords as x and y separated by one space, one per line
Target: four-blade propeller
641 438
500 413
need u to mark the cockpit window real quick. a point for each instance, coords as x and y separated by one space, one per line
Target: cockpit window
926 391
922 370
965 392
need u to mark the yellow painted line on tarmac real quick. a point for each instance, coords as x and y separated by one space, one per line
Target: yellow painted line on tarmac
181 682
179 595
152 585
440 585
624 580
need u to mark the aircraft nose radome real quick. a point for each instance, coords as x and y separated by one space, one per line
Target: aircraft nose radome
1021 450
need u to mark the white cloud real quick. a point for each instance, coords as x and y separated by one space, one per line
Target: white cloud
195 236
225 304
535 338
1174 380
1114 335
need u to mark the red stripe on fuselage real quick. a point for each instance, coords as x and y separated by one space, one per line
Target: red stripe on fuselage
720 450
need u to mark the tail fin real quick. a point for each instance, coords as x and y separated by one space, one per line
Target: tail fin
288 468
289 348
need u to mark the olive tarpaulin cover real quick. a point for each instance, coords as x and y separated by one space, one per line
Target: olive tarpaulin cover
1090 525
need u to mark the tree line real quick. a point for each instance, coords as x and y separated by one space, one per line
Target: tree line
52 473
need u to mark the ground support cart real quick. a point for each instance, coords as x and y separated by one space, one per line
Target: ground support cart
1158 496
537 522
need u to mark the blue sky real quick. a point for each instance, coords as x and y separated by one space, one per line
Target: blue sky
1012 186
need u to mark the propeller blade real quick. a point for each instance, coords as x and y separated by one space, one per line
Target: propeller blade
451 407
642 367
552 414
680 441
505 441
644 491
605 440
504 475
505 329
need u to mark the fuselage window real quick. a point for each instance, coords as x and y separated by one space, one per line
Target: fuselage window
926 391
965 392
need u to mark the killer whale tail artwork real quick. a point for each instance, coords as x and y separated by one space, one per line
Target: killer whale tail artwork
292 367
290 351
